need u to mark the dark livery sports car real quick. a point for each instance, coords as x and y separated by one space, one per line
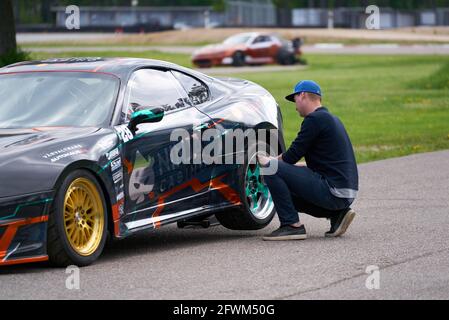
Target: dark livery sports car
85 154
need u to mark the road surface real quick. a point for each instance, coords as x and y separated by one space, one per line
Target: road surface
401 228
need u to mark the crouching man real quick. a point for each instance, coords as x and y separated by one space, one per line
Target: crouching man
328 185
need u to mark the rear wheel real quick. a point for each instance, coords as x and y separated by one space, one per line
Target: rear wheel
257 208
286 58
77 229
238 59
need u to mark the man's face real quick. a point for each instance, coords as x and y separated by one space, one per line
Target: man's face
300 104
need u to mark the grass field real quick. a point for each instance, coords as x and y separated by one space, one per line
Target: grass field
391 105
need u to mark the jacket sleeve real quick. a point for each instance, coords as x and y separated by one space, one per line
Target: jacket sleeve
306 137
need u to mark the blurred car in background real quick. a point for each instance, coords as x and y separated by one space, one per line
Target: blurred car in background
253 48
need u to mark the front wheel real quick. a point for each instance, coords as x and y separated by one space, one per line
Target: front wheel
238 59
257 208
77 227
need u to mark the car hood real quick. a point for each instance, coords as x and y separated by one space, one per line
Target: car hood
17 140
219 48
32 159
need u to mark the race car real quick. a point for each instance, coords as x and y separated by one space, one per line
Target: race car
86 154
254 48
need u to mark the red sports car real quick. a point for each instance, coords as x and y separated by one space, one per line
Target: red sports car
253 48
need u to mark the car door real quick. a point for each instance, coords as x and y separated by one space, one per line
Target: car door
157 190
224 169
261 47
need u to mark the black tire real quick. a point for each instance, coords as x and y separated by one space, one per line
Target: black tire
242 218
59 249
286 58
238 59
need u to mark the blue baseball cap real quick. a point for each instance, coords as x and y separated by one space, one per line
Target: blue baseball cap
305 86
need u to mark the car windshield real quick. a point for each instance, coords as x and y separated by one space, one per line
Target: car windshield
238 39
53 99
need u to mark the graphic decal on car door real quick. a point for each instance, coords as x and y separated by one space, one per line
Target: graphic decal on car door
141 181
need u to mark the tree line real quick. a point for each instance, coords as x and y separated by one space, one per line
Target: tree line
395 4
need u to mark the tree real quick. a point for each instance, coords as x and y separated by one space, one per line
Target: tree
8 42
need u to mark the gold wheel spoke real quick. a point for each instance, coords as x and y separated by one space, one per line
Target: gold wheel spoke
68 216
91 217
81 238
71 233
75 237
88 234
84 199
83 205
70 226
88 204
69 199
86 238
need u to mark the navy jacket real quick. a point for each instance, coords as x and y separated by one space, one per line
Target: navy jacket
327 149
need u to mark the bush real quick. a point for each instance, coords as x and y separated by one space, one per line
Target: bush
13 57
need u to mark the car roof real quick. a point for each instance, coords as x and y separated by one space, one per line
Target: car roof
120 67
255 34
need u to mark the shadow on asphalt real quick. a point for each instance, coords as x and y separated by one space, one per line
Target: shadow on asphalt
146 242
25 268
169 238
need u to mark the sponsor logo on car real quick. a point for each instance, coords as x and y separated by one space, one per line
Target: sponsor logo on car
116 164
124 133
112 154
117 176
66 152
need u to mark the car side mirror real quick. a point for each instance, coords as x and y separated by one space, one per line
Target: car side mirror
145 116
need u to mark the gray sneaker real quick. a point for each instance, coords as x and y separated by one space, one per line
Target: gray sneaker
340 223
287 233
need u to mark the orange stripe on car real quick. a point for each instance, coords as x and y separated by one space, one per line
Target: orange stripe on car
230 194
215 123
116 217
11 230
128 165
24 260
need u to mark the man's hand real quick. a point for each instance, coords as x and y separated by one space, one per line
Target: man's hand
264 160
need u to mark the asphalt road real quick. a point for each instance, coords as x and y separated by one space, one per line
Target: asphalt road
324 48
401 227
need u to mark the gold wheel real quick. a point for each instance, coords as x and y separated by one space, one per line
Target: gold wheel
83 216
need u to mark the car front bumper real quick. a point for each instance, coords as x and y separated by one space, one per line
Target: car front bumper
23 228
210 60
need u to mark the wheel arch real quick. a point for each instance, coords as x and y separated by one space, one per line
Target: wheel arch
280 135
102 180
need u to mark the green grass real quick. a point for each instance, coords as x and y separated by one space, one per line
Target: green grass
391 105
385 115
437 81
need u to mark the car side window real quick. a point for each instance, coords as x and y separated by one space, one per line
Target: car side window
261 39
150 88
196 90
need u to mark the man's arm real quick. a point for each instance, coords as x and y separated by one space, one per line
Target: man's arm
306 137
299 147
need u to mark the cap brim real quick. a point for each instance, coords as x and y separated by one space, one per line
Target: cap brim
291 97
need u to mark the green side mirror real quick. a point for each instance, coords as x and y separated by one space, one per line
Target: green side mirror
145 116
